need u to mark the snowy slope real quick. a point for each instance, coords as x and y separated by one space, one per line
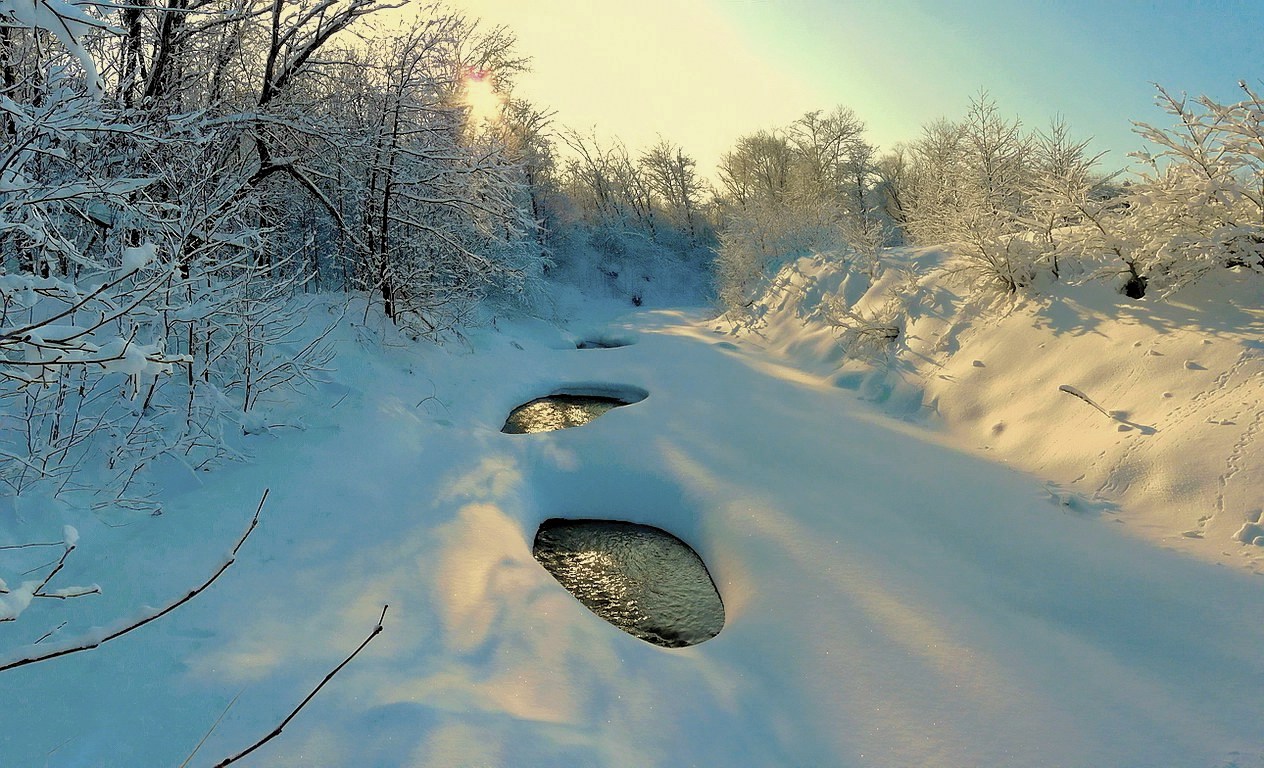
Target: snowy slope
891 601
1175 458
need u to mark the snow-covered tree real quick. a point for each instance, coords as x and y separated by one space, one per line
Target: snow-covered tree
809 187
969 186
1199 203
678 190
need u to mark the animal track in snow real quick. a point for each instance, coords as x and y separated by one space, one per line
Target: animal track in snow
1210 400
1233 464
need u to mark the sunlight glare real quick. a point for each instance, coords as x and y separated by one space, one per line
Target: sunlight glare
481 97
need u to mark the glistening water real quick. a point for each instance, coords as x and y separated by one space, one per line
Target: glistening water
641 579
562 411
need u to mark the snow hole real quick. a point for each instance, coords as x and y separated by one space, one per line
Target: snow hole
569 408
603 343
641 579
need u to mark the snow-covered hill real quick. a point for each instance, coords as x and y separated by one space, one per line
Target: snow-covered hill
1169 445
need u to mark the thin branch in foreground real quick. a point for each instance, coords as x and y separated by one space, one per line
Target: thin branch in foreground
214 725
151 617
49 633
277 731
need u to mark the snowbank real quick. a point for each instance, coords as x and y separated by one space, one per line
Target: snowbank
1174 457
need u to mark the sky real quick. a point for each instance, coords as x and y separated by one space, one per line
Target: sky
704 72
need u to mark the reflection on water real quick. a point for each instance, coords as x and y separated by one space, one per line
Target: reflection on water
558 412
641 579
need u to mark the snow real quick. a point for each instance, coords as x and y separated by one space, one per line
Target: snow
894 594
139 257
14 601
120 355
1179 381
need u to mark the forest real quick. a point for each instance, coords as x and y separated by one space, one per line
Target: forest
173 174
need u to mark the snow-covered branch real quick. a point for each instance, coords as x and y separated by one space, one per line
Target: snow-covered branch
96 642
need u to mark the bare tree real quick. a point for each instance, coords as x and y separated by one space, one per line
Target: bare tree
969 187
757 169
672 176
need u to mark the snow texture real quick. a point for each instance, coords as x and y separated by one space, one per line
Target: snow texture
139 257
1177 461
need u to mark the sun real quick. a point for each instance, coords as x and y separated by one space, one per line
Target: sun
481 97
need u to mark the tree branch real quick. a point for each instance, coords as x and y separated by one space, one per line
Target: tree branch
277 731
151 617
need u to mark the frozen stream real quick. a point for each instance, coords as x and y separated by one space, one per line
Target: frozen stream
888 600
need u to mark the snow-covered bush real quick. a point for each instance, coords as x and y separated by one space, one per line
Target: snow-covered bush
1199 203
866 332
757 238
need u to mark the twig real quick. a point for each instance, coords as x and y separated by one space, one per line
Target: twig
80 592
151 617
277 731
1070 390
210 730
49 633
60 564
1117 416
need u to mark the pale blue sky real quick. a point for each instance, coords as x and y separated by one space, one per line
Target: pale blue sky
703 72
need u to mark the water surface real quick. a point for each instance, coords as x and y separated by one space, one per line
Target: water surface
641 579
562 411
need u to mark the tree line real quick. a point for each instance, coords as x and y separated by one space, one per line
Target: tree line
1019 207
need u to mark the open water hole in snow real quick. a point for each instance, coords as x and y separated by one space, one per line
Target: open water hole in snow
601 344
565 410
641 579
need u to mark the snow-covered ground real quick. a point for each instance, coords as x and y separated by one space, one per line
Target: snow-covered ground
891 600
1173 454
